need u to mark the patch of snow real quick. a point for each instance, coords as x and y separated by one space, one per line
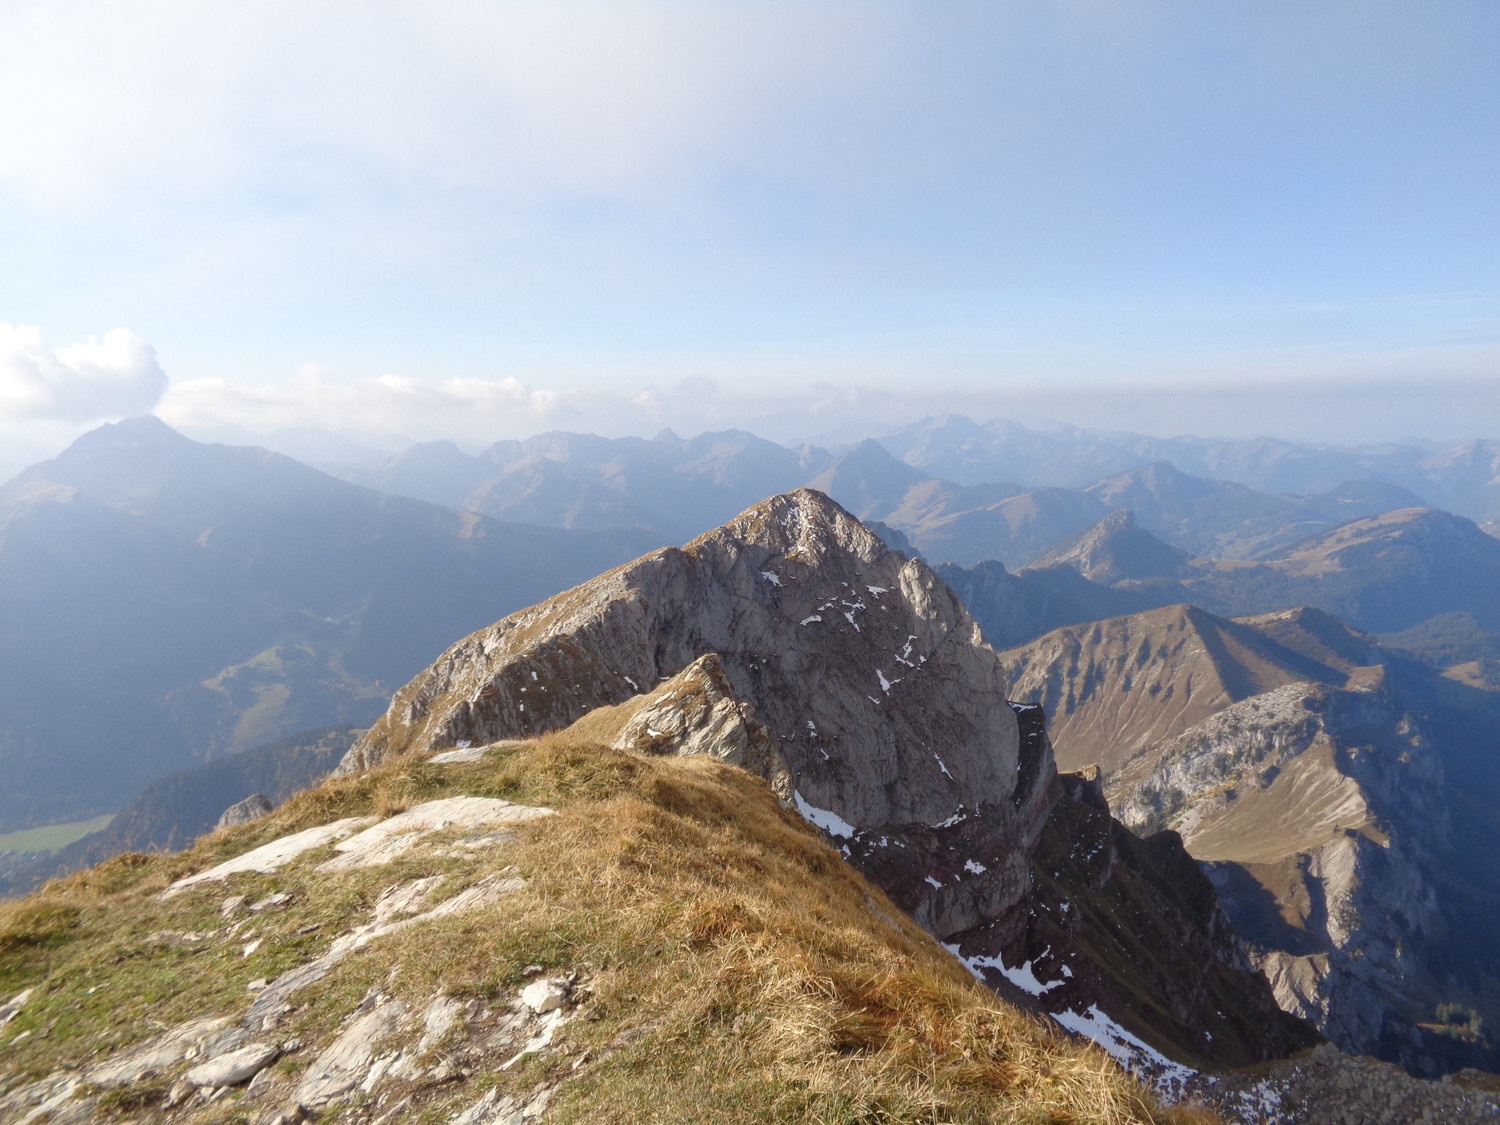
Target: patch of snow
810 620
829 822
934 882
956 818
974 867
876 589
652 732
632 683
533 677
770 577
885 684
849 616
873 700
1023 978
812 729
463 744
942 767
1141 1059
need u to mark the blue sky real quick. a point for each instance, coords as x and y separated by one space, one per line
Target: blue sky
487 219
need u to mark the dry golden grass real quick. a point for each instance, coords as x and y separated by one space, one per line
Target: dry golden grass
735 969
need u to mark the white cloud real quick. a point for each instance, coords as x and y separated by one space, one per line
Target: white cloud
87 382
314 397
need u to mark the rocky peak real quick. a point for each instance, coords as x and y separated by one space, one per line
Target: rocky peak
886 703
1117 548
868 479
793 642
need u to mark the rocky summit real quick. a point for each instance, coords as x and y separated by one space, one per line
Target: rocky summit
794 643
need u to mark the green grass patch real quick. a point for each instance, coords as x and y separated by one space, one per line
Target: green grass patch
52 837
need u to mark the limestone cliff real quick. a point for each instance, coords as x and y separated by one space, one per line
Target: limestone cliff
1306 785
792 641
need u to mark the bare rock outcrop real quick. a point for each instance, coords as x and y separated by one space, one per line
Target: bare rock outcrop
251 808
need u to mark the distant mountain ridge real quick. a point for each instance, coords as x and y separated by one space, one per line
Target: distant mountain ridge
1462 477
1385 574
680 487
163 601
675 487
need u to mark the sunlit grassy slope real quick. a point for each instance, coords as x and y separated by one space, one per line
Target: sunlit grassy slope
741 971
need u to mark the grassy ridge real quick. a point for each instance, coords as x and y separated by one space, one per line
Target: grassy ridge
741 971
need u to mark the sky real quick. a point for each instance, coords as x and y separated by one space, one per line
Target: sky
481 220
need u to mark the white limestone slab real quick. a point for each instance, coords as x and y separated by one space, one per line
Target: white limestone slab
275 855
383 842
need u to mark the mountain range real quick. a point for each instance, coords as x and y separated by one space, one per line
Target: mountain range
1337 793
759 826
164 601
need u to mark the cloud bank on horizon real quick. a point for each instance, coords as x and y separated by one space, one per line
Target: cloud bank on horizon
454 217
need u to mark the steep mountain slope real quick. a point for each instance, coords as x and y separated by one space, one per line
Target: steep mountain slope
1116 687
794 643
163 600
1318 777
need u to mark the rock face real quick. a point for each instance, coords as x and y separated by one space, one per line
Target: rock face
886 704
251 808
793 642
1294 771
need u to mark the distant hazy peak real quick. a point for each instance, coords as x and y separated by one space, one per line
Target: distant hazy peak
1115 549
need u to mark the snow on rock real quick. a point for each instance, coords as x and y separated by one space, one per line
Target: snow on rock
1141 1059
1023 977
957 818
771 577
829 822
